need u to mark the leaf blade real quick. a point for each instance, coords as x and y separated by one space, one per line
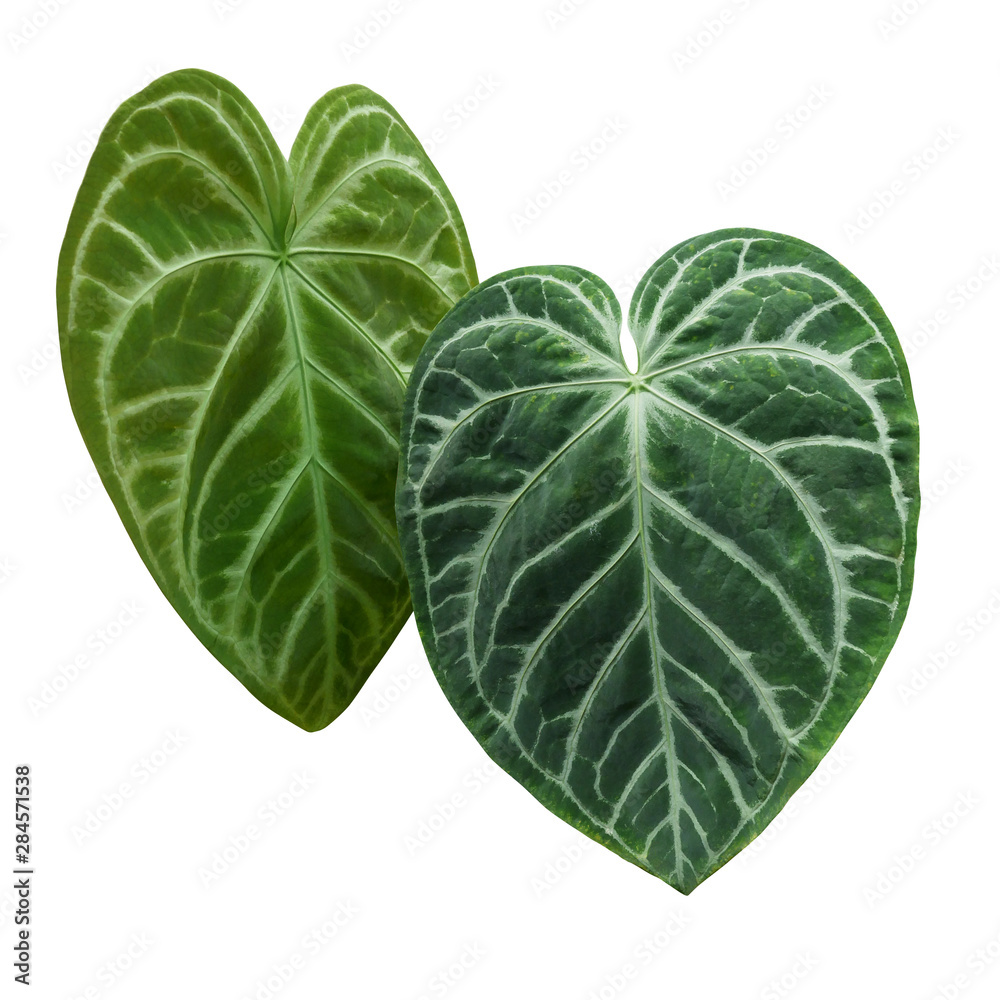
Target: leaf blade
245 422
662 654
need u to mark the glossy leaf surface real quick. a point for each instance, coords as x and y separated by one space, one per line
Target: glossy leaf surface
236 333
657 598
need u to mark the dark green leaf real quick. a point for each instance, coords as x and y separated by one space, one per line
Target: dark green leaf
657 598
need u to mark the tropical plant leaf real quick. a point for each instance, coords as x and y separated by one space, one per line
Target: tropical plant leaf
657 598
236 333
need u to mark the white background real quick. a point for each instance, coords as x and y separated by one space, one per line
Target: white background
879 880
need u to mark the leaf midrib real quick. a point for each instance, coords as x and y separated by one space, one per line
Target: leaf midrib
325 553
668 733
636 390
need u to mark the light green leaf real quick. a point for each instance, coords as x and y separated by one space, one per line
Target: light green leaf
236 333
657 598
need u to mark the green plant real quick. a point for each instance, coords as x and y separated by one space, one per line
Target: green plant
236 333
657 597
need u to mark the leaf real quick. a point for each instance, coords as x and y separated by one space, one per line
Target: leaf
236 333
656 599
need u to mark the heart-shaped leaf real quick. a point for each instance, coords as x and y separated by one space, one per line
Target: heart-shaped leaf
236 333
657 598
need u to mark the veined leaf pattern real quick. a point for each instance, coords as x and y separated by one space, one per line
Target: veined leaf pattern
236 332
657 598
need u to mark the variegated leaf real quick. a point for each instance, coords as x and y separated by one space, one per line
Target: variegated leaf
656 598
236 333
